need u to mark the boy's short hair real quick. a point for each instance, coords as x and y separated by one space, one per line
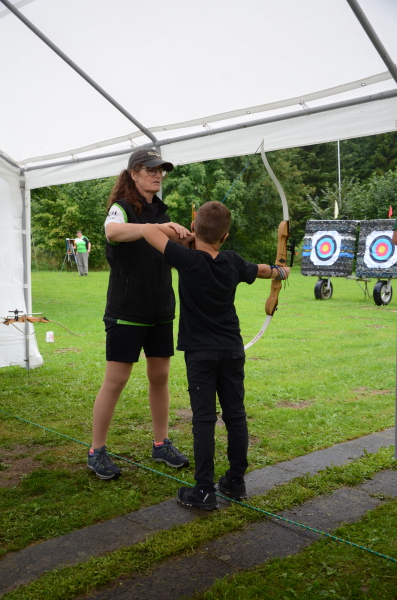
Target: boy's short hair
212 222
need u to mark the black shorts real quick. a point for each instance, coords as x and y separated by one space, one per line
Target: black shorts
125 342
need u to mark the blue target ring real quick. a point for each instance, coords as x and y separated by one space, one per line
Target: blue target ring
325 247
381 249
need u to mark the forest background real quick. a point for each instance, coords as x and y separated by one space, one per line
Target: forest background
309 176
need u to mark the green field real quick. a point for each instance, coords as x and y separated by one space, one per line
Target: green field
323 373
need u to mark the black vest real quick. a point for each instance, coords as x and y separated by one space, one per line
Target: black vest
140 283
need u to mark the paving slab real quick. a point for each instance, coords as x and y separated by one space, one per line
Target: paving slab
260 541
337 455
261 481
19 568
173 579
161 516
256 544
345 505
383 484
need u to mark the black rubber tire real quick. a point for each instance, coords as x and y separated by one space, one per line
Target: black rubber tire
321 290
381 296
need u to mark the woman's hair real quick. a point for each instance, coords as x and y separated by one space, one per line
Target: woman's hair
125 189
212 222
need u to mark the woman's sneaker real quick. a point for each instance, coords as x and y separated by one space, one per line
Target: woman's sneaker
200 498
169 454
235 488
100 462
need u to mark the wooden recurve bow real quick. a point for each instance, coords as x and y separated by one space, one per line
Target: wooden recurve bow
281 256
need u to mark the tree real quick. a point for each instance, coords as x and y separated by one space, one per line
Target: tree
59 211
360 158
252 198
366 200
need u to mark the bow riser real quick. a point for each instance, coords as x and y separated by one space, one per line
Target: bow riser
281 261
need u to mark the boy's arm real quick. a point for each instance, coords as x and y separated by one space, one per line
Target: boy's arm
265 272
155 237
177 233
130 232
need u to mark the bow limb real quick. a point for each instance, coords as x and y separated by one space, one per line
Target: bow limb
281 256
283 234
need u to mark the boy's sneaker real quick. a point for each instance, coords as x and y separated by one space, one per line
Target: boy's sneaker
200 498
235 488
100 462
169 454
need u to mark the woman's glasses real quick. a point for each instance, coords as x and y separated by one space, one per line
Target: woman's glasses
152 171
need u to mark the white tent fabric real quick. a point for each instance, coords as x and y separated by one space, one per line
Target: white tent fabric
367 119
13 347
179 62
179 68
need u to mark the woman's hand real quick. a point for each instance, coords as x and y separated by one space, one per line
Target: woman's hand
179 229
188 241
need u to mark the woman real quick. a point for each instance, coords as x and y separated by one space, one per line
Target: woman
140 306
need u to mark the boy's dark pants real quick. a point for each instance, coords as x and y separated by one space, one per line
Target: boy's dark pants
210 373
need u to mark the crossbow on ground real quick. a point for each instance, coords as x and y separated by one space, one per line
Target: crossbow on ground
22 317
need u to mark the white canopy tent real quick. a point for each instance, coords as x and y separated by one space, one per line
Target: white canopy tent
200 81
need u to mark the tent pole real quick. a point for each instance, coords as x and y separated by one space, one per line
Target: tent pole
190 136
9 160
76 68
373 36
26 266
385 56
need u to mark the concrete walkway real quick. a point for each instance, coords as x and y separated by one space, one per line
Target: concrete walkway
254 545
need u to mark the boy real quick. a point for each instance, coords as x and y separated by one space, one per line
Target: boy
209 333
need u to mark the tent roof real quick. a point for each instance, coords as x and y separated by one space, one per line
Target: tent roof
201 65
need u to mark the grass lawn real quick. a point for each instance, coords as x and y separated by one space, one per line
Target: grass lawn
326 569
323 373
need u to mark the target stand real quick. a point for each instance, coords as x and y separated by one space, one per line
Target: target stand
365 281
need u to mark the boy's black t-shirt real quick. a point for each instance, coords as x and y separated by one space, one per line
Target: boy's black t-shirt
207 287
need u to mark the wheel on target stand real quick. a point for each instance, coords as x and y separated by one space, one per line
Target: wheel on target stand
383 293
323 291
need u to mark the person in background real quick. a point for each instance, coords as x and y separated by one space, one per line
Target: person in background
209 334
82 247
140 306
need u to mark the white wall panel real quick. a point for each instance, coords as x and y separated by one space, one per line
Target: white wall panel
12 341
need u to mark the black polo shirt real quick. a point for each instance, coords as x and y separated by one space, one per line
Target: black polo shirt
207 287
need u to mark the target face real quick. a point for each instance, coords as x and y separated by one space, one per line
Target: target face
380 252
325 248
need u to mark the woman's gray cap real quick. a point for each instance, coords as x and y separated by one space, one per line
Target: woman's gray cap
149 158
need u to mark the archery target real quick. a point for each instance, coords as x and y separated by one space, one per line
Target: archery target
328 248
380 252
325 248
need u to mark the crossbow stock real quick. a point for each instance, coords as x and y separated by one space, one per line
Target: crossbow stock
21 317
281 256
